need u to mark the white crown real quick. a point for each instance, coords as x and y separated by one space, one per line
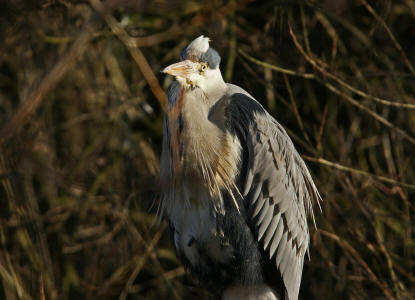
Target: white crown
198 46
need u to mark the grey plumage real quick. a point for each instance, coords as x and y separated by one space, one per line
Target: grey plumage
259 203
173 92
265 209
211 57
289 183
231 179
276 238
265 222
255 195
271 229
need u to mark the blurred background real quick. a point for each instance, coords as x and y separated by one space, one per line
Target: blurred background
81 108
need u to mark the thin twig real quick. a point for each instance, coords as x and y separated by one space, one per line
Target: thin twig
153 256
180 271
12 282
305 31
269 90
274 67
158 38
391 36
295 109
370 112
347 247
342 82
232 47
300 141
338 92
37 96
321 130
140 264
135 52
389 262
356 171
331 32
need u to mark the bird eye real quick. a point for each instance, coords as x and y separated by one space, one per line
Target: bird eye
203 68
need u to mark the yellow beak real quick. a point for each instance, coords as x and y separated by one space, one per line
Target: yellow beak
182 69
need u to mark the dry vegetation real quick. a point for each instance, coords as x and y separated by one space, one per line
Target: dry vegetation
81 102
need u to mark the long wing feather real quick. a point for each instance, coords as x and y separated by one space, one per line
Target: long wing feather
278 185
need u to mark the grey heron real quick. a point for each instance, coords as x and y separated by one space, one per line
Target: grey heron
235 191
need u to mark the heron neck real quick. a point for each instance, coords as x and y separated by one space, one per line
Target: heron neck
213 88
200 137
195 113
215 94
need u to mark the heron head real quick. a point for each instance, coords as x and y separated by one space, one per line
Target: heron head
199 66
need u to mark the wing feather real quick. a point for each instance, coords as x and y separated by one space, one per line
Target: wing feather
277 179
265 223
276 239
281 250
256 192
264 211
271 229
259 205
248 181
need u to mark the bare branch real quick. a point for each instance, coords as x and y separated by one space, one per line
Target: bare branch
37 96
337 166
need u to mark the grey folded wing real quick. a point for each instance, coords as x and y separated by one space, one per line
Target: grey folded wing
278 187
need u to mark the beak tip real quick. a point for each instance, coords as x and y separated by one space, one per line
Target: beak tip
165 71
182 68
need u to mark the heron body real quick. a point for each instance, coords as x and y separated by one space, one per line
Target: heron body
235 190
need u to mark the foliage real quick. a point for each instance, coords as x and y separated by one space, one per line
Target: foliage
81 104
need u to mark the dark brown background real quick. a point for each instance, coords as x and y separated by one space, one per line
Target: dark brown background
81 98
